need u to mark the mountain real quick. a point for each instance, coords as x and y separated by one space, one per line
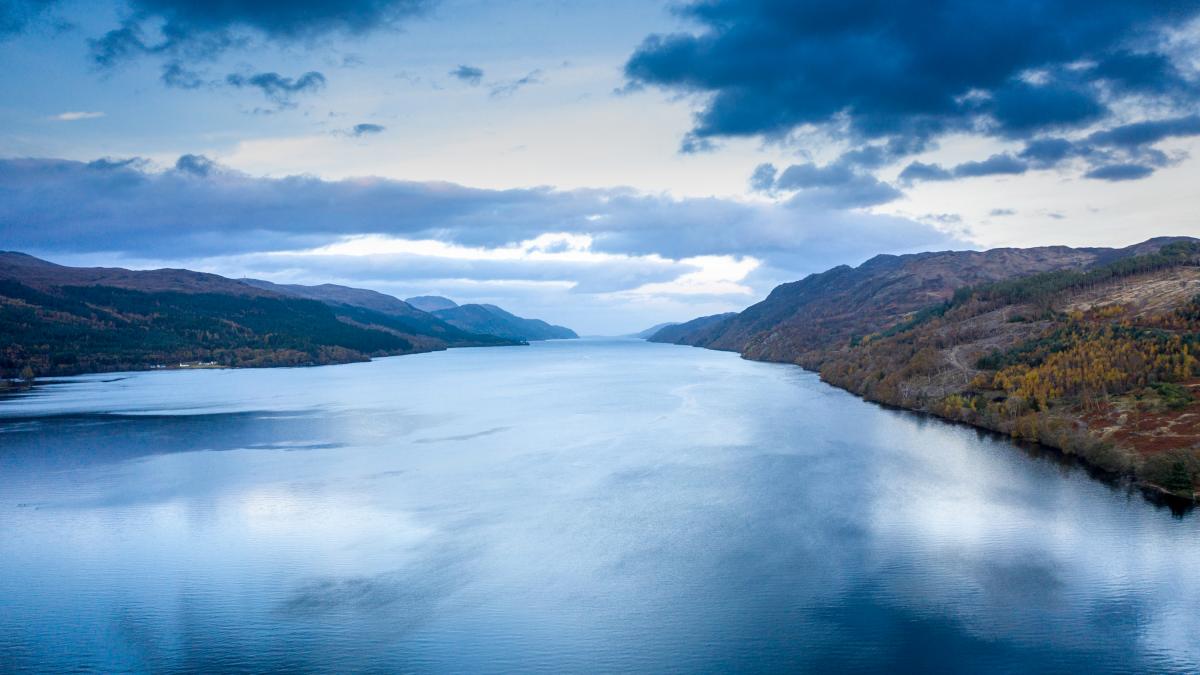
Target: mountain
1092 351
58 320
379 310
489 319
42 274
431 303
800 320
492 320
332 294
649 332
679 331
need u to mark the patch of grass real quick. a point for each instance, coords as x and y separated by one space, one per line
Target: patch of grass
1174 396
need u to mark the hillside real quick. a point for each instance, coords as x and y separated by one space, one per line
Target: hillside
431 303
45 275
649 332
1088 350
333 294
492 320
679 331
57 320
379 310
798 321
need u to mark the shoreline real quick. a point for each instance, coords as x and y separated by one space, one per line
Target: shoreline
6 387
11 387
1152 492
1178 503
1158 495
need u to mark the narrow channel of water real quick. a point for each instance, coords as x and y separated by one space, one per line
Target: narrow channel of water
590 505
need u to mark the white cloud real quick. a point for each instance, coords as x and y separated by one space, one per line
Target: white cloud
717 275
546 247
553 257
72 116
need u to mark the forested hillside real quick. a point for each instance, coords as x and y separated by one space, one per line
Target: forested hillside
57 320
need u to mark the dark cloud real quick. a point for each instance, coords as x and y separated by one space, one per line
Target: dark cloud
17 16
367 129
509 88
920 171
763 178
1125 152
203 209
873 156
1048 152
469 74
276 87
809 175
1120 172
176 75
996 165
1021 109
106 163
118 44
196 165
1148 73
833 186
998 213
693 144
1146 132
909 71
281 19
203 29
130 40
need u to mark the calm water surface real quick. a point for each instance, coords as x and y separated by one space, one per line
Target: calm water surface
571 506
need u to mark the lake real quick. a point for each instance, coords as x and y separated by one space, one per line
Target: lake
591 505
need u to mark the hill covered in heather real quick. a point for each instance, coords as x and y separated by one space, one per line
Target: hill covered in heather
1090 350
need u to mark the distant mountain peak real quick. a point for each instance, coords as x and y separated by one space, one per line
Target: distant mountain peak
649 332
431 303
493 320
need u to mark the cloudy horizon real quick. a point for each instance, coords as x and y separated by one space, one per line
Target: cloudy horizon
605 166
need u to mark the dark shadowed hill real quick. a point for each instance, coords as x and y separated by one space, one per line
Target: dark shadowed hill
58 320
677 332
379 310
492 320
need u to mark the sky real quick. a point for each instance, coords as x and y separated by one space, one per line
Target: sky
602 165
